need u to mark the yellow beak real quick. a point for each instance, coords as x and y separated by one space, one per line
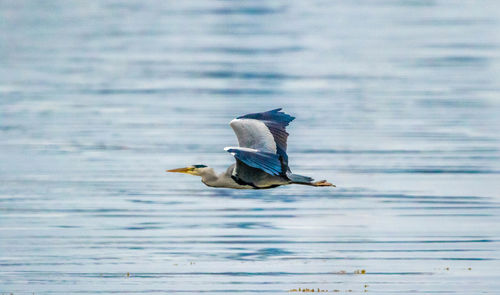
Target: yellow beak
180 170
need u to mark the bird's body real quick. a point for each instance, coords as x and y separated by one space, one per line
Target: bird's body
228 179
261 159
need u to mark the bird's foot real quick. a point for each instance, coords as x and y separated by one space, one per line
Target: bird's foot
322 183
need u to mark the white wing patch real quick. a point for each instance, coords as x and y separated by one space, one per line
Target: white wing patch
253 134
240 148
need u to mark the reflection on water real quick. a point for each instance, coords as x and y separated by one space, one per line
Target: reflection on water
396 103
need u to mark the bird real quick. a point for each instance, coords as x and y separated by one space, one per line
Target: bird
261 158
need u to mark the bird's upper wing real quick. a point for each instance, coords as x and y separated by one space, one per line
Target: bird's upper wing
265 134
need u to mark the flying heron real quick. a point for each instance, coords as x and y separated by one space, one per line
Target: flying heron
261 159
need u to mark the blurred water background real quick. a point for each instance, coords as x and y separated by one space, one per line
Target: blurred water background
397 103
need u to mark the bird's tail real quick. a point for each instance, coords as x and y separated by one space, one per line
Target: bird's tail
300 179
306 180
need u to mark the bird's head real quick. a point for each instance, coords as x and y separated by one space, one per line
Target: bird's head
193 170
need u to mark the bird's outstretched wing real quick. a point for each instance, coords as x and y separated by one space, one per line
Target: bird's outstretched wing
267 162
262 139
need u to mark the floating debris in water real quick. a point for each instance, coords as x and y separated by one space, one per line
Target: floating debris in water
318 290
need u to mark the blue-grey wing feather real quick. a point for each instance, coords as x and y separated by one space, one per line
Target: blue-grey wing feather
268 162
276 121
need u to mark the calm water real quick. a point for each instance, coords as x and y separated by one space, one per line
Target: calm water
397 102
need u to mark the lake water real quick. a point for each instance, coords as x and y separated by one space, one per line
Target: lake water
397 103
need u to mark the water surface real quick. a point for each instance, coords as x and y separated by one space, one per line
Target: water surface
397 103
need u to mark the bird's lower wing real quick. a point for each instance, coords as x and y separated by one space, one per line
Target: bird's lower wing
267 162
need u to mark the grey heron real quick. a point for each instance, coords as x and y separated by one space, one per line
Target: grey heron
261 159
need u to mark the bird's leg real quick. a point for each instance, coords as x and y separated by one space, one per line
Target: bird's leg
322 183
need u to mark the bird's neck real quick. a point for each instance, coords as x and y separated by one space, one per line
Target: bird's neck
209 177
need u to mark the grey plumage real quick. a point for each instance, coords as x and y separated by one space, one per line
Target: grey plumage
261 159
